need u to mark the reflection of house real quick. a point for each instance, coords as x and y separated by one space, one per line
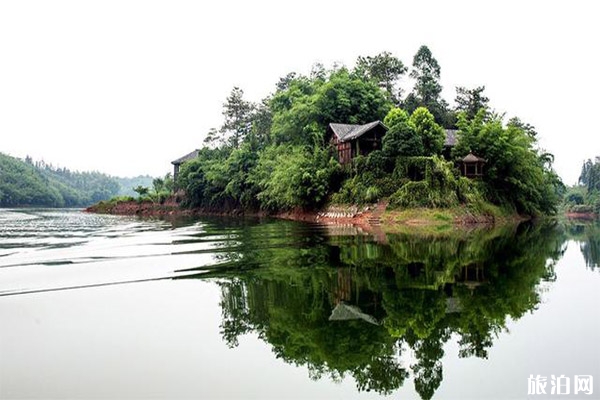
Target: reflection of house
472 166
342 293
471 276
345 312
177 163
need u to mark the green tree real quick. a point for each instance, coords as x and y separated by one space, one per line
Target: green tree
292 176
590 175
301 112
516 174
238 116
385 70
260 133
344 98
432 135
401 139
214 138
293 112
470 101
141 191
427 89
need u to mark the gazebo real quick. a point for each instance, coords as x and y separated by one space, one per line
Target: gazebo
472 166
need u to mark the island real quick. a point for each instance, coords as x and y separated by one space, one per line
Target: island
345 144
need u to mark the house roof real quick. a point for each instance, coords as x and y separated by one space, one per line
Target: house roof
187 157
346 132
473 158
451 138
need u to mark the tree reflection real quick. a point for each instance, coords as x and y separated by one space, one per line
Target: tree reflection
587 234
345 305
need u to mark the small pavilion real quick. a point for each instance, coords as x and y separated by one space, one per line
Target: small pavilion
472 166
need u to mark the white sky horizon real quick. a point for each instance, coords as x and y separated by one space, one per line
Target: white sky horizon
125 87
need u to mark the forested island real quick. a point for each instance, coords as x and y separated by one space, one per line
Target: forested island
349 136
28 183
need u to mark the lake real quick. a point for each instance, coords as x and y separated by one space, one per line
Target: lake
97 306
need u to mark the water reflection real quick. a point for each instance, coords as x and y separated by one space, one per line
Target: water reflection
380 308
588 236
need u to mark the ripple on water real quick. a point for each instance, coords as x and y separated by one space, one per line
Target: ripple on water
42 250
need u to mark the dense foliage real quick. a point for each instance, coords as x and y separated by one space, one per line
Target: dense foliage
585 197
516 173
25 183
275 155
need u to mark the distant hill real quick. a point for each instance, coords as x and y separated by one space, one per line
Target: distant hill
127 184
24 183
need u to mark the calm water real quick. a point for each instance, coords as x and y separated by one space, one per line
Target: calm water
114 307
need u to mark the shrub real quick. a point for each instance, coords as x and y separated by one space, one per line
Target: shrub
372 194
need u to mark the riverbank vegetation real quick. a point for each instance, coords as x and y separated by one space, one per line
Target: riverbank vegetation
275 155
28 183
584 198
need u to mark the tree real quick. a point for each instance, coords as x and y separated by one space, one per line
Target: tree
284 82
401 138
301 113
471 100
141 190
432 135
289 176
260 134
525 127
427 89
214 138
163 185
345 98
385 70
590 175
238 117
516 174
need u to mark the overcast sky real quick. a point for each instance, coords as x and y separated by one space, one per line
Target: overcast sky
125 87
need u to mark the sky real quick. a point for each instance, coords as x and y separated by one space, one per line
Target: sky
125 87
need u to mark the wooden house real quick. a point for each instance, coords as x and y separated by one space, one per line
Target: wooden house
177 163
353 140
449 142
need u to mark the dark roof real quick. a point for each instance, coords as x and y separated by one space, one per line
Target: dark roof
187 157
346 132
451 138
473 158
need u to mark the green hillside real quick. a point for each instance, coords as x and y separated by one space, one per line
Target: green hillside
24 183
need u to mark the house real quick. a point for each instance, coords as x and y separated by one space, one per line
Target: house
352 140
449 143
177 163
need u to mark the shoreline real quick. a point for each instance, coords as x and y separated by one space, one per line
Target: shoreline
374 217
